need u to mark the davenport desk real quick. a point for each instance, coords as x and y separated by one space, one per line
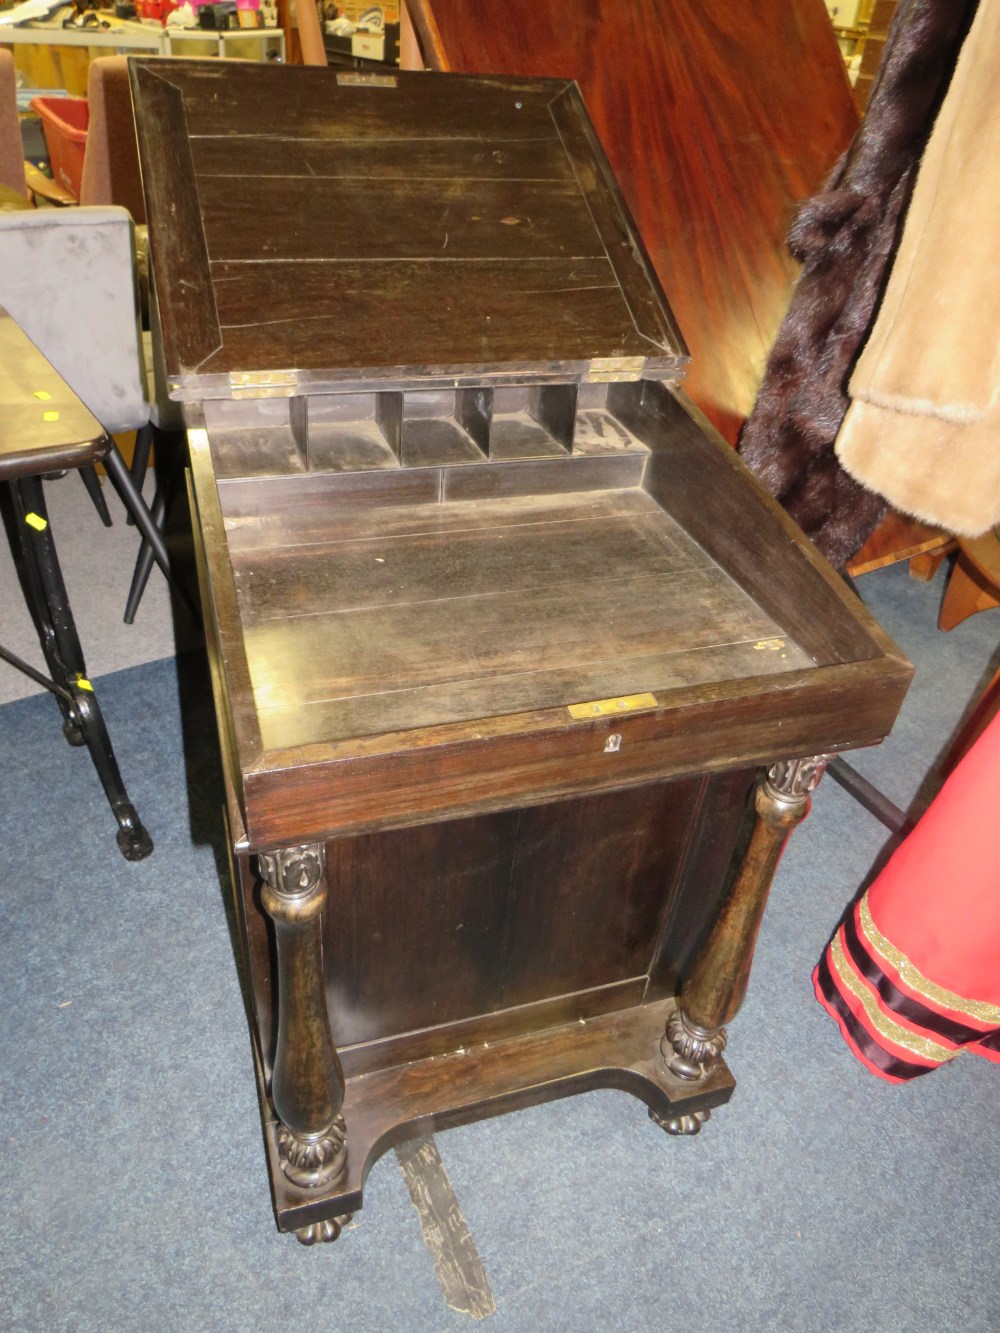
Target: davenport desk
521 681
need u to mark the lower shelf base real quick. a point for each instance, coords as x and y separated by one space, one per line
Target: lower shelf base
618 1050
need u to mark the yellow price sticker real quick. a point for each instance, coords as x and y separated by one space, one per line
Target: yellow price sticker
50 416
36 521
84 684
43 396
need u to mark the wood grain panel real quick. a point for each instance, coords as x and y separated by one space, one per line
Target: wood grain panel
476 158
396 219
716 499
466 562
319 104
455 881
310 316
189 323
301 525
287 726
700 888
716 124
501 895
588 887
417 225
334 655
395 779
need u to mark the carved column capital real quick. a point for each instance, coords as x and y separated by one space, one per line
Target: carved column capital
294 884
787 785
294 871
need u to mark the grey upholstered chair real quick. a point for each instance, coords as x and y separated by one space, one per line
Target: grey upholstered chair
67 276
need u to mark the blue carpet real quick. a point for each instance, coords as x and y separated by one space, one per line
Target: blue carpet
133 1188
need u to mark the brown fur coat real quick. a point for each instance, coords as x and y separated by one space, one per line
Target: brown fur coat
845 238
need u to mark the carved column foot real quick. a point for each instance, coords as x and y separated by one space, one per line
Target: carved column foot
689 1050
319 1233
681 1124
315 1160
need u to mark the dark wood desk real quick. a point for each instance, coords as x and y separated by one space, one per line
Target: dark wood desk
718 119
46 428
501 631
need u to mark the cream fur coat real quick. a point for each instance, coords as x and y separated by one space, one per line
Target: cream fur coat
923 428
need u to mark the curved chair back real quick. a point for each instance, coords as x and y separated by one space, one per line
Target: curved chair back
111 161
11 151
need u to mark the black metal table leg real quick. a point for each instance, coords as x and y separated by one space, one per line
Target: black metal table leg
45 593
34 599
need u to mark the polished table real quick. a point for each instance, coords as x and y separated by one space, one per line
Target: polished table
718 120
46 428
520 679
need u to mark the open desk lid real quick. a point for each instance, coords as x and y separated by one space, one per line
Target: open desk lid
312 228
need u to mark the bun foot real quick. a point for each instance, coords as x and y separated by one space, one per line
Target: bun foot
681 1124
319 1233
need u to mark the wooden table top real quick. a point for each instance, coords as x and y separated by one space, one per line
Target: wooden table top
717 123
43 425
336 226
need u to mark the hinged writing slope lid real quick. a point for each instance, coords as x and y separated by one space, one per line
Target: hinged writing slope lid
309 227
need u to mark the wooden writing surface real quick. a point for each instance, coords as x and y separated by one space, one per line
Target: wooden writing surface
428 227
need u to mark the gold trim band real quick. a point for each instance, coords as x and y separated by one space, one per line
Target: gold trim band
928 990
878 1019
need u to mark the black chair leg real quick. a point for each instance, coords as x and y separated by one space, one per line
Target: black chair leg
50 610
144 560
152 534
88 475
144 437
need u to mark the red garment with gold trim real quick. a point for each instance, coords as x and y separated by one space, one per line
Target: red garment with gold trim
913 974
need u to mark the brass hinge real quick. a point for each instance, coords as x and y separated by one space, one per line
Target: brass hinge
615 369
625 703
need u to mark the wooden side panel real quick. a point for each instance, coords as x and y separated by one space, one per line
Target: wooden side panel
537 916
590 880
189 323
414 921
717 501
522 907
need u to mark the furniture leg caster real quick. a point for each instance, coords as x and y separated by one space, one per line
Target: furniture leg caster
325 1232
681 1124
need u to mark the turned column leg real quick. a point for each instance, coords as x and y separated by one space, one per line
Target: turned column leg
714 989
307 1084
